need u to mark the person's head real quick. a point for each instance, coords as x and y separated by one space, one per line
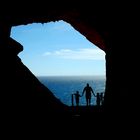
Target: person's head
87 84
101 93
77 92
97 93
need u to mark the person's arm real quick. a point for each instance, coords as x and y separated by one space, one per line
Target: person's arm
94 95
93 92
80 95
83 91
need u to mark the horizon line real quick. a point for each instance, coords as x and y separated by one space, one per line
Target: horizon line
68 75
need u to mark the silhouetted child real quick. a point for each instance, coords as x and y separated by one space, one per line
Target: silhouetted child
72 99
101 98
77 95
98 99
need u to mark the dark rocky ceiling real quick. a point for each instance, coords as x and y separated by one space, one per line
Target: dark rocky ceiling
92 21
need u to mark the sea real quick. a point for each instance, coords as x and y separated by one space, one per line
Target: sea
64 86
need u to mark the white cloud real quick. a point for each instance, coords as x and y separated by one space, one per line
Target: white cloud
79 54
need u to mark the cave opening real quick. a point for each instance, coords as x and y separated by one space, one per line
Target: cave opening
61 58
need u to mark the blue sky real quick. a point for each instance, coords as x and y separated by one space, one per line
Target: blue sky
56 48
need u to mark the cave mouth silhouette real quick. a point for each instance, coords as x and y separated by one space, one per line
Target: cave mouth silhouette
60 53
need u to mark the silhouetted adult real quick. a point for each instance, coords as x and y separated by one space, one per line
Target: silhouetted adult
88 91
98 99
77 95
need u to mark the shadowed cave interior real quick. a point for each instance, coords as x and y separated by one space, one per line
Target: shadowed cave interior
22 91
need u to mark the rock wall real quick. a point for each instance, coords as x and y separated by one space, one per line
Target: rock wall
101 28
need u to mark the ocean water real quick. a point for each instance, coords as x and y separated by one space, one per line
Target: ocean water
64 86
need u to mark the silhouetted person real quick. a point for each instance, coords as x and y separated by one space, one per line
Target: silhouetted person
98 99
88 91
77 95
72 100
101 98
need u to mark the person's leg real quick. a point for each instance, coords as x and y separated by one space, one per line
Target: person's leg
87 101
78 102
